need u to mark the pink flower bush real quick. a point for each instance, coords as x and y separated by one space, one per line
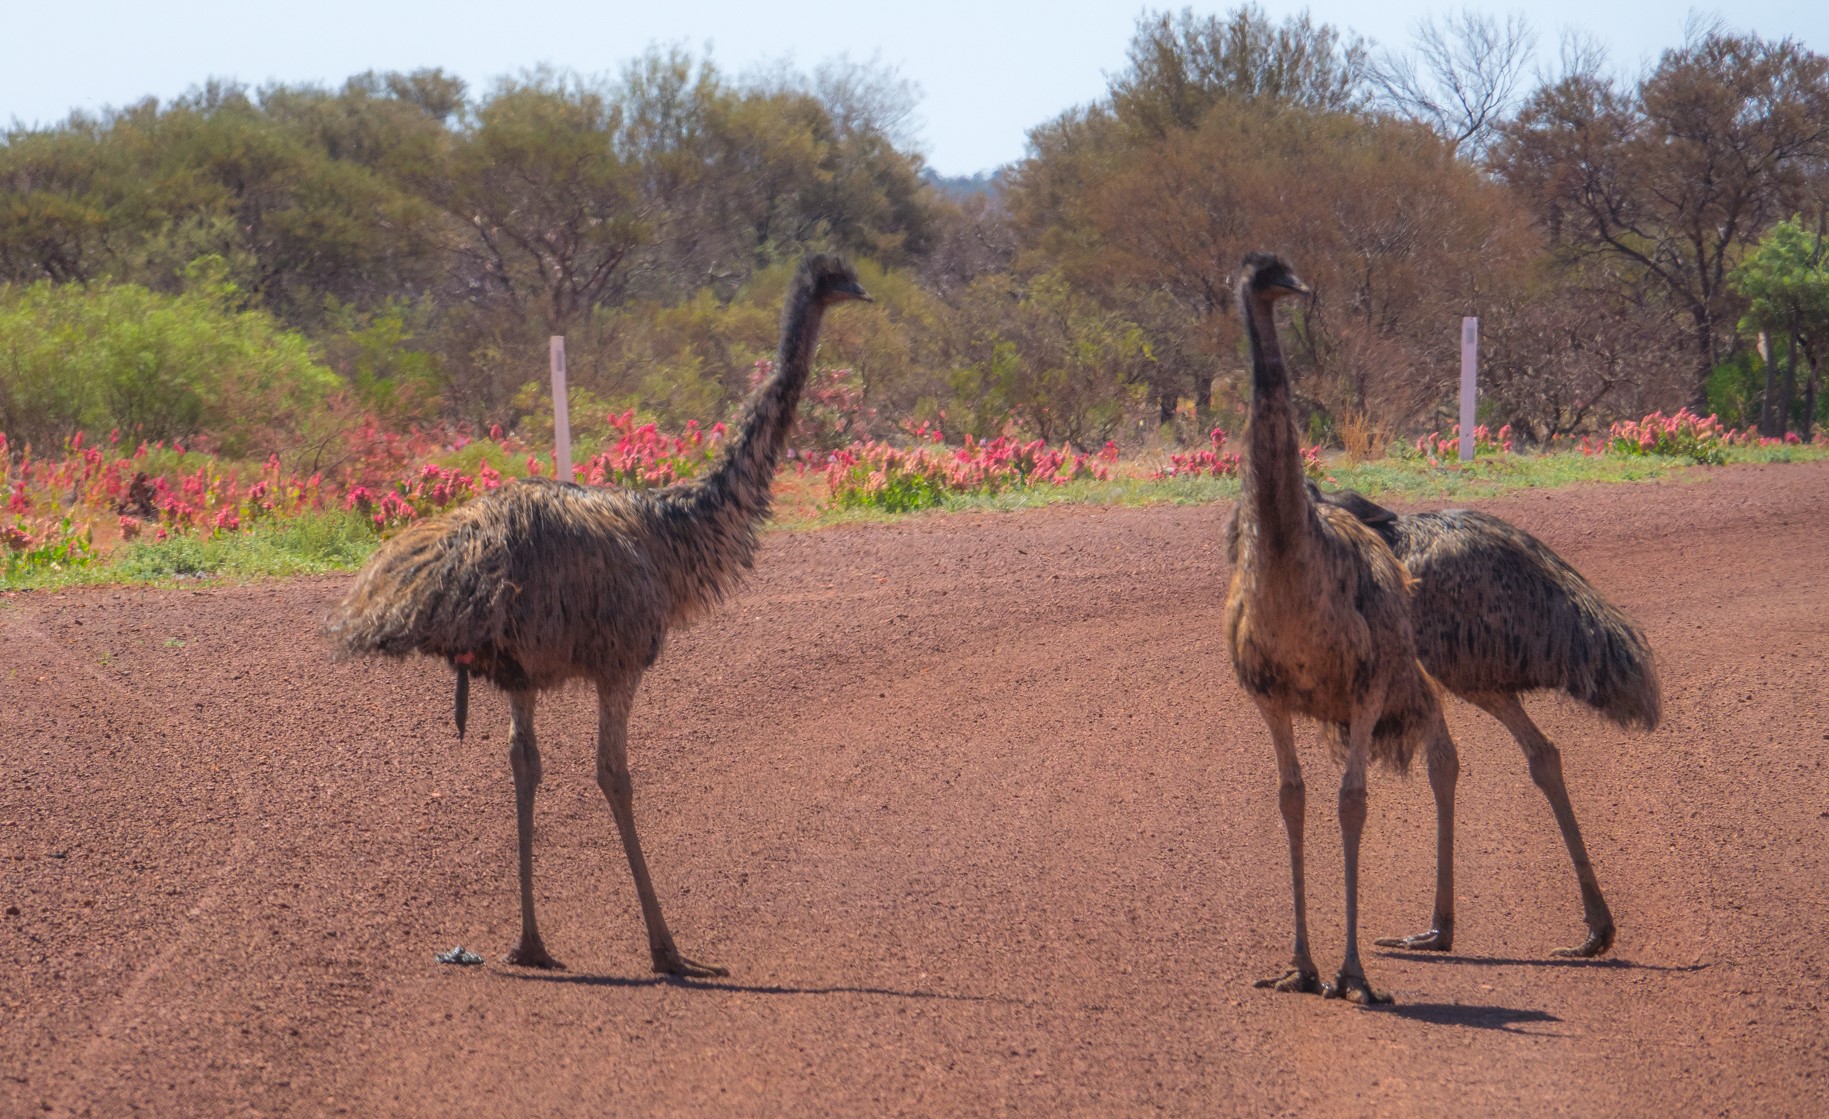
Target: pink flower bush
643 455
832 411
1217 462
1438 448
1214 462
156 492
1683 435
878 475
52 508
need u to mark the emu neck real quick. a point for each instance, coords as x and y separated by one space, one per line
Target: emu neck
746 474
712 522
1271 492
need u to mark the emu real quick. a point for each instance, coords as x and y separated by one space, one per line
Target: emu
542 582
1496 614
1318 624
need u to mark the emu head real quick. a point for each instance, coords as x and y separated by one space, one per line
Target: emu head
831 280
1269 277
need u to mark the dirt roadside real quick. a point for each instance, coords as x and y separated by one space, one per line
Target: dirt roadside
974 812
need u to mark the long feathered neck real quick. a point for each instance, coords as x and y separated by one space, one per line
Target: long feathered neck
1271 487
744 477
750 459
711 522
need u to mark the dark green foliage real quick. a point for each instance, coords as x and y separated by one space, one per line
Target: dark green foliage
156 367
1734 388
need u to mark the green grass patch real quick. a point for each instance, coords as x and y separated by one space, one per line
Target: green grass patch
308 545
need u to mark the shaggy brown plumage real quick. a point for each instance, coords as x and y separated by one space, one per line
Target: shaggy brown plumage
541 582
1497 614
1318 623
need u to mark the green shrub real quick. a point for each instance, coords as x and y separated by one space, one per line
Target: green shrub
155 366
26 547
1735 388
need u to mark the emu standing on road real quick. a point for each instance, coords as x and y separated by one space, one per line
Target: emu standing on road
541 582
1318 622
1496 614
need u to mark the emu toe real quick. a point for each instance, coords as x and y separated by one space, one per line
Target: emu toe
1354 989
1296 980
1599 940
676 964
533 955
1438 939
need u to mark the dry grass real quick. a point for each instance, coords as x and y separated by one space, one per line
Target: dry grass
1362 439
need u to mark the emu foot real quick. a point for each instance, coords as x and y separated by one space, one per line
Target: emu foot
533 954
1297 980
1438 939
1599 940
1354 989
672 963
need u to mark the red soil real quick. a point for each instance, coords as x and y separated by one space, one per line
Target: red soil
975 813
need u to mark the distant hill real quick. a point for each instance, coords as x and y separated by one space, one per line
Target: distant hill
963 186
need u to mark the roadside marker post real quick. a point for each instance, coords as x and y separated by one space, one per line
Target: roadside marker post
562 417
1470 364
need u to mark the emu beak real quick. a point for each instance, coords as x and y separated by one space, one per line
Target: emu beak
853 290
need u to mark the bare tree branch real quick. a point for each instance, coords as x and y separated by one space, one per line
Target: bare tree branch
1460 76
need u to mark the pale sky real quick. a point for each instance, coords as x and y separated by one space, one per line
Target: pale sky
987 71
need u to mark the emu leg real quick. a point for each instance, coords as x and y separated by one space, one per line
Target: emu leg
1350 984
524 756
1546 770
1444 771
1291 797
613 702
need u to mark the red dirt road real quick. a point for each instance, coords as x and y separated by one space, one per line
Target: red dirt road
975 813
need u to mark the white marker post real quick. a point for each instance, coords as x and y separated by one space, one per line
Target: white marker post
1470 365
562 416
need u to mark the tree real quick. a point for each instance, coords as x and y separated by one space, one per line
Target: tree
1460 77
1576 342
554 210
1679 177
61 204
1180 65
1786 284
1045 357
1133 198
1398 236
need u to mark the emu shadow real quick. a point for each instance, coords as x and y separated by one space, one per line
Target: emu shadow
629 981
1504 1019
1610 963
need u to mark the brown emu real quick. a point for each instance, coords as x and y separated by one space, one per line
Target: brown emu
1318 622
1496 614
542 582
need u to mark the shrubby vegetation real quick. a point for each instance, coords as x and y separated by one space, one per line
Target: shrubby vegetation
158 511
166 367
289 270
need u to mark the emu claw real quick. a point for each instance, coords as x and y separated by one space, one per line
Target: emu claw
676 964
1599 940
1438 939
1294 981
1354 989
